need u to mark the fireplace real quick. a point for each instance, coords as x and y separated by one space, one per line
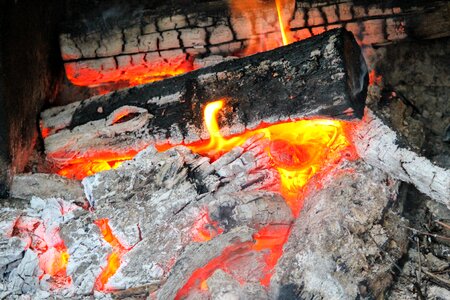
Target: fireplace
230 150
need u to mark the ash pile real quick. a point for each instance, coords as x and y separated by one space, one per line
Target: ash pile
179 226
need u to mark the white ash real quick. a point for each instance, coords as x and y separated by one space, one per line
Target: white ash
336 245
20 270
379 146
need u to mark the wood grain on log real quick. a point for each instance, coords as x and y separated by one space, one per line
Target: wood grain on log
379 145
322 76
345 242
153 44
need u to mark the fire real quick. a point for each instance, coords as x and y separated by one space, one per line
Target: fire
299 150
269 239
281 22
133 74
95 162
273 238
217 144
114 259
46 242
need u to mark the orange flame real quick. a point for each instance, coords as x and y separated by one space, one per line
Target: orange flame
217 144
280 21
114 259
299 150
269 239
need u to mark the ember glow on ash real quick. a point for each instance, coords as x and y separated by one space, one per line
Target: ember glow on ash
299 151
46 242
204 229
269 240
94 162
302 152
114 259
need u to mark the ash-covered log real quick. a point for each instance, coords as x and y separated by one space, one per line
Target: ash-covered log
381 147
324 76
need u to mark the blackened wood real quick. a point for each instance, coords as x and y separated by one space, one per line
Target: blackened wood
323 76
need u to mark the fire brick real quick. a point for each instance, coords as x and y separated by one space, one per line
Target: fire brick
242 27
193 37
314 17
220 34
330 13
299 19
345 12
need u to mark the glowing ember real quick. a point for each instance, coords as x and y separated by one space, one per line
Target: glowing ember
375 79
199 276
205 229
95 162
114 259
134 74
46 242
269 239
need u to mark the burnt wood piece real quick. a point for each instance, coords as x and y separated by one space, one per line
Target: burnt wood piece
343 226
324 76
380 146
150 44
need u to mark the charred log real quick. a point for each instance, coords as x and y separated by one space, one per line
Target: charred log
323 76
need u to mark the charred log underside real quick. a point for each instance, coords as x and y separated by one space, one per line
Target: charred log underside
323 76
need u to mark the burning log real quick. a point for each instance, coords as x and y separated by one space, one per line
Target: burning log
147 45
323 76
176 214
345 242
